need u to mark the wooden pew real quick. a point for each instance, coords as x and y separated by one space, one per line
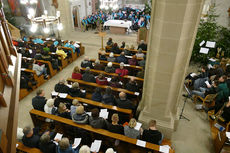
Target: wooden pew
131 50
21 147
40 79
117 55
52 71
101 105
63 121
90 84
64 62
74 55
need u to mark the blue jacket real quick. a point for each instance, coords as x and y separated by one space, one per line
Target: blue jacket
68 150
97 97
121 58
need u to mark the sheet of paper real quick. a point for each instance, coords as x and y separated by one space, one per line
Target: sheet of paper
104 115
85 104
136 93
210 66
29 58
193 74
141 143
95 146
83 91
76 45
114 107
69 85
126 65
212 59
53 53
63 95
30 51
48 38
128 56
17 145
58 136
228 135
109 79
164 149
138 126
202 43
207 83
204 50
53 39
53 93
76 143
104 110
23 69
210 44
89 113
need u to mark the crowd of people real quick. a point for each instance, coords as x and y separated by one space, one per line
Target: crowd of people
136 16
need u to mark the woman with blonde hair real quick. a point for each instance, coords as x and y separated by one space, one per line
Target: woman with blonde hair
129 130
80 116
76 73
63 111
114 126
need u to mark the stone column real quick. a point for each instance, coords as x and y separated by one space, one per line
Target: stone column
172 34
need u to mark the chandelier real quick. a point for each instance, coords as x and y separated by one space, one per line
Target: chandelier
106 4
44 20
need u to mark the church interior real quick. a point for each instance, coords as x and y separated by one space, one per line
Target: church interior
115 76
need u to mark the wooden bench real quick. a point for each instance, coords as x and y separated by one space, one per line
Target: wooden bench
22 148
131 50
117 55
63 121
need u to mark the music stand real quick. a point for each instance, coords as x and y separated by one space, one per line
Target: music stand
186 97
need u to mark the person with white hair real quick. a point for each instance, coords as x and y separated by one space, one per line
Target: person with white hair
139 54
49 108
142 45
84 149
80 116
109 68
122 71
109 150
132 85
86 63
111 57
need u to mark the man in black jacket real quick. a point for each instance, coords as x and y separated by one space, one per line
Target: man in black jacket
39 101
61 87
31 137
142 45
123 102
132 85
86 63
87 76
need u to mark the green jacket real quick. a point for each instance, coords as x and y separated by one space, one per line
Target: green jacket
222 92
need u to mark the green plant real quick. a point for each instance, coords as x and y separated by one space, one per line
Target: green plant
224 40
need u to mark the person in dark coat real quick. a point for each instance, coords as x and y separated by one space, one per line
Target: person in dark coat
115 82
123 102
114 126
63 111
115 49
86 63
99 66
122 58
31 137
142 62
39 101
132 85
61 87
109 42
80 116
38 55
152 135
133 60
108 98
75 91
142 45
46 145
87 76
109 68
96 96
95 121
102 56
122 44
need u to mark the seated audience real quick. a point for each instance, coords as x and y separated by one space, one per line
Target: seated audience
49 108
38 55
109 68
122 71
126 50
122 44
80 116
96 96
95 121
115 82
99 66
73 107
142 62
101 80
123 102
108 98
133 60
121 58
109 42
40 70
61 87
152 135
75 91
102 56
139 54
115 49
203 92
46 145
114 126
39 101
132 85
141 73
111 57
65 147
76 73
86 63
129 130
60 52
63 111
226 112
87 76
142 45
31 137
84 149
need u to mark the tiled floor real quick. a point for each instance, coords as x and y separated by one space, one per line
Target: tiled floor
190 137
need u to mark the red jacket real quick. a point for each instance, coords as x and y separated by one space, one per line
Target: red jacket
122 72
101 81
77 76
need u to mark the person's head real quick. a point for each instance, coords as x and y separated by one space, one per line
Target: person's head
115 45
62 81
103 53
64 143
45 138
97 62
222 78
134 57
61 108
108 90
76 69
101 76
109 150
139 50
40 93
122 65
123 43
142 42
127 47
111 54
132 79
80 110
110 64
204 69
75 102
75 85
110 40
152 123
115 118
95 112
28 131
59 47
122 95
84 149
87 70
86 58
132 123
123 53
50 102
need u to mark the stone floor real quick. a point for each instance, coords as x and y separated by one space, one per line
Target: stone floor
192 136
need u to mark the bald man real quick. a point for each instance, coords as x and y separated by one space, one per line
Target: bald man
123 102
132 85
